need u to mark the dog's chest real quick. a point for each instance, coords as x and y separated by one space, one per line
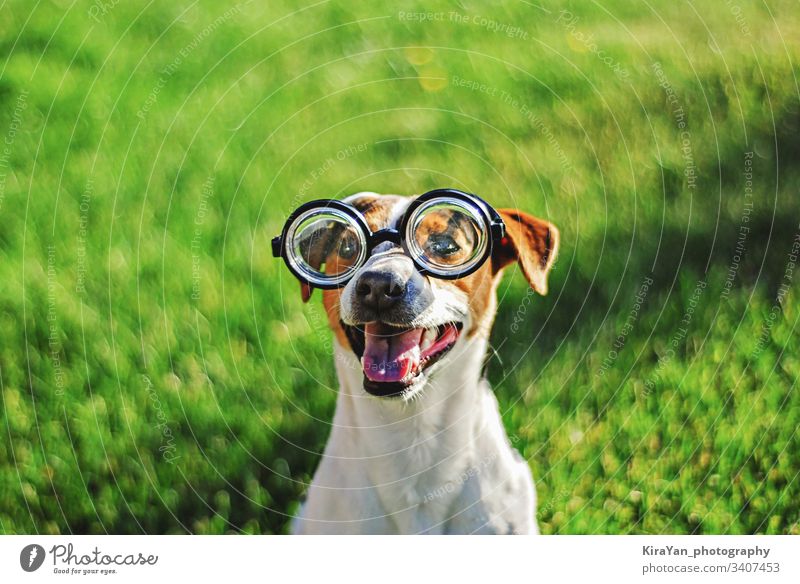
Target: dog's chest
421 499
442 464
423 470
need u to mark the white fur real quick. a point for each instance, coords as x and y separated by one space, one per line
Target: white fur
439 464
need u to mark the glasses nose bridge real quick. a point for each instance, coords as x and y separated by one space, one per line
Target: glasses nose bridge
388 234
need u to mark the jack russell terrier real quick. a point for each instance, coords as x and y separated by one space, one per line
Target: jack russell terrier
417 444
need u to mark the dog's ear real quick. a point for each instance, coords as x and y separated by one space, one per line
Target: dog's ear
305 291
530 241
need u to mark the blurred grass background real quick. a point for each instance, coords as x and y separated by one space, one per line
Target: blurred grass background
158 370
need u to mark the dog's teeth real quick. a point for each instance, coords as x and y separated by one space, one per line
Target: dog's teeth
428 338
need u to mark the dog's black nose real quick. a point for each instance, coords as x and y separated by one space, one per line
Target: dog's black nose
379 289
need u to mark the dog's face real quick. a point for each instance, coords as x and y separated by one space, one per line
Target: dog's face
402 325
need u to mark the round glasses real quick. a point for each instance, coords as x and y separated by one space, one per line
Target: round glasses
447 233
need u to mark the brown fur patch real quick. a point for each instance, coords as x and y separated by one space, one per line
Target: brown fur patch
330 300
377 209
479 288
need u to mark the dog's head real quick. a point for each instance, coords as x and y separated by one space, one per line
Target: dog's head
401 324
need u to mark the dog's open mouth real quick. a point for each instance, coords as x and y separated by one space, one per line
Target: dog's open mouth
393 358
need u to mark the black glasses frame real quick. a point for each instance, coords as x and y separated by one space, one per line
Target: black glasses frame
490 216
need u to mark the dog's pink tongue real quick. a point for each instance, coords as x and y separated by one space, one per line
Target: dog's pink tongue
390 356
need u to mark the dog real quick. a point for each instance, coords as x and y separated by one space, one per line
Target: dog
421 450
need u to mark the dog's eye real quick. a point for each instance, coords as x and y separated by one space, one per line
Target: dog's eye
347 247
442 244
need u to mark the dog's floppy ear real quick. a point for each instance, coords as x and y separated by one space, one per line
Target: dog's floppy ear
305 291
530 241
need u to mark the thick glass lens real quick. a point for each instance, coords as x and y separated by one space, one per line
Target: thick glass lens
447 236
326 245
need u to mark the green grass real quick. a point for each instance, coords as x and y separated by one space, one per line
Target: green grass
159 372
